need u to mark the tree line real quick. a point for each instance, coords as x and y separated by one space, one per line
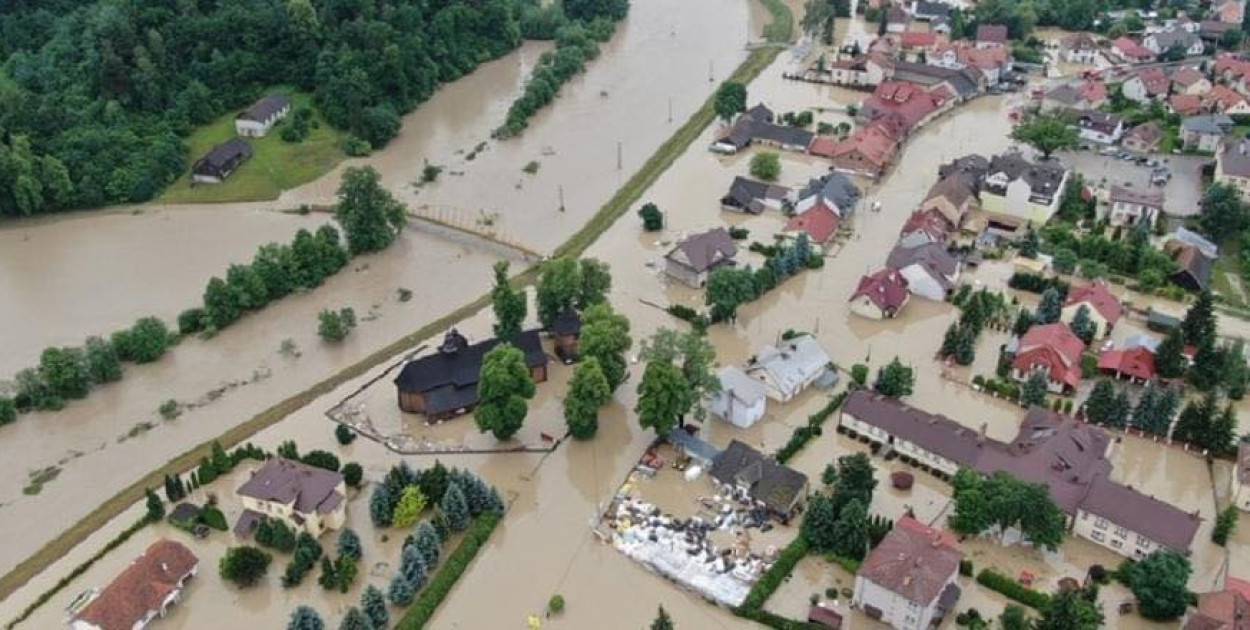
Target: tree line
101 94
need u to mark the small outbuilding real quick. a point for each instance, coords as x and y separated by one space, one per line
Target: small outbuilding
741 401
257 120
219 163
567 332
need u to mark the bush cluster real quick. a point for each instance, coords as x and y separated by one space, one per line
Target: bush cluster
1012 589
804 434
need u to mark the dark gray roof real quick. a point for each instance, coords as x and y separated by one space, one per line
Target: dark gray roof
1043 178
568 322
1066 94
707 249
931 256
1098 121
287 481
774 485
449 376
923 9
1174 37
743 191
185 512
835 187
971 167
1209 124
1143 197
1145 515
266 107
964 81
761 113
933 432
223 157
1235 158
783 134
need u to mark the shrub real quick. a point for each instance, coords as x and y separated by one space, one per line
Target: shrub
965 567
8 410
191 321
344 434
555 605
739 233
443 581
336 325
322 459
1012 589
352 474
144 342
766 166
652 218
773 577
804 434
531 167
213 517
169 409
245 566
356 147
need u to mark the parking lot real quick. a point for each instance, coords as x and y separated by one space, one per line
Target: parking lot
1181 194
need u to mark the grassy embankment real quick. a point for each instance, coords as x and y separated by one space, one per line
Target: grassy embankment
615 207
275 165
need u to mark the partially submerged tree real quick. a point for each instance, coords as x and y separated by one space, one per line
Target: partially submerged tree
664 397
504 390
1047 133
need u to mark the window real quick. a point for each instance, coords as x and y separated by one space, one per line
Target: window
1097 536
1143 542
1121 532
1117 543
1101 523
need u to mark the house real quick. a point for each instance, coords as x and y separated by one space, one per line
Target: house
566 330
1135 363
931 271
820 223
1104 308
953 196
1186 104
755 126
143 592
911 103
1130 51
697 256
753 197
924 227
1130 206
1188 80
443 384
1079 48
741 400
306 498
916 45
1086 95
779 489
1222 100
1176 38
258 119
1230 11
993 62
1204 133
1228 609
1214 32
867 152
1054 350
908 581
1143 138
926 11
964 83
862 71
1100 127
1150 84
792 366
991 35
1232 165
1022 189
1241 477
220 162
896 19
1068 457
1186 236
881 295
1193 267
1131 523
1233 70
834 191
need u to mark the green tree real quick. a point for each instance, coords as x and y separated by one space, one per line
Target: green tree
850 532
245 565
1082 326
1196 421
155 508
8 410
727 289
1199 325
1098 406
370 216
965 346
411 503
596 279
401 592
662 621
352 474
1033 392
1047 133
664 397
355 619
427 542
950 340
1030 244
731 98
820 523
972 507
305 618
588 391
895 379
1225 523
103 364
1159 581
1170 361
558 288
855 481
1068 610
373 604
1015 617
64 371
504 388
334 326
766 165
694 354
652 218
509 304
455 508
344 434
1208 370
605 338
221 304
349 544
1120 412
1223 214
1050 308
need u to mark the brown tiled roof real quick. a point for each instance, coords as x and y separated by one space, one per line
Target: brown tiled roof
1097 296
1221 610
286 481
707 249
914 561
992 33
1146 134
141 588
1161 522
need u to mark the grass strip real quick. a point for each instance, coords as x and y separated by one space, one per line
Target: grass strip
806 433
457 563
616 206
80 569
781 29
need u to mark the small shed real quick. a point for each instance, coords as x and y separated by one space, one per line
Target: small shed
826 617
741 401
221 162
567 331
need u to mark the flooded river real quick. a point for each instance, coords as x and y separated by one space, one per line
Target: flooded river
545 546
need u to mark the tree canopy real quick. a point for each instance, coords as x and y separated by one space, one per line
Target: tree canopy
1046 133
1159 581
664 397
731 99
504 390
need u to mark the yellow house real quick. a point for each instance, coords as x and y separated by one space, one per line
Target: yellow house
1104 308
1015 187
306 498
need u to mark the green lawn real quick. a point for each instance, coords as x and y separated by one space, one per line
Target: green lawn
275 165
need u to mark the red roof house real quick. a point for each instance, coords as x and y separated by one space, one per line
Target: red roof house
1105 309
1222 100
143 591
1185 104
819 221
915 563
917 39
911 101
1132 51
1054 349
867 152
924 226
881 295
1137 364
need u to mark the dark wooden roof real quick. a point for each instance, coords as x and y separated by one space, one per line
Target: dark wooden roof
449 377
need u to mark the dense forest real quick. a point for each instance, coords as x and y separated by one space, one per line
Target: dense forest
95 97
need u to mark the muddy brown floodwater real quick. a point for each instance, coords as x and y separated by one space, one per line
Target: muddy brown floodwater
102 444
544 546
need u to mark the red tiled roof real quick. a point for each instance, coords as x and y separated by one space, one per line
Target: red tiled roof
913 39
914 561
1137 362
1132 49
141 588
1187 76
1155 80
1055 348
992 33
1231 66
886 288
1093 92
931 222
819 221
1223 98
874 144
1185 104
822 146
1097 296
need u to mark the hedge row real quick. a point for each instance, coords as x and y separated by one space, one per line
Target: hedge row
804 434
1012 589
441 584
753 606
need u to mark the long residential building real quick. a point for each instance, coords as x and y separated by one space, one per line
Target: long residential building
1067 456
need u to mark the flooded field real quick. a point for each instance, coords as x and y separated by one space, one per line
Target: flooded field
546 537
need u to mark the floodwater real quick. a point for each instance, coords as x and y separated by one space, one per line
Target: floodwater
105 442
554 497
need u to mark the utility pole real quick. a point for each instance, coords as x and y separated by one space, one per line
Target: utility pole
709 71
561 197
670 109
618 155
